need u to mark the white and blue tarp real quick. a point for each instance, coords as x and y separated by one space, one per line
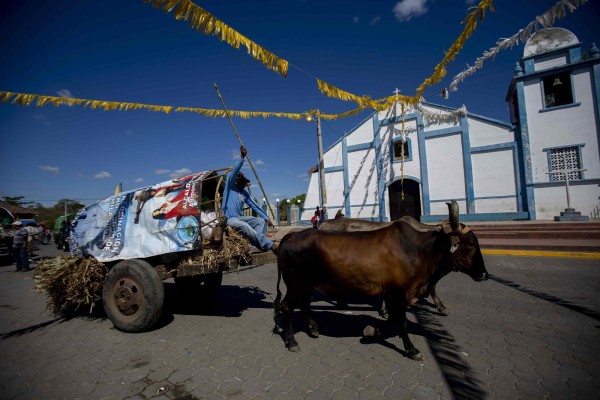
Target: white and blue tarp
154 220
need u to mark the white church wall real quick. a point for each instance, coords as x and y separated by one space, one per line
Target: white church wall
333 157
486 134
494 174
440 207
584 123
562 127
550 61
550 201
362 175
433 111
362 134
445 167
494 180
312 197
335 189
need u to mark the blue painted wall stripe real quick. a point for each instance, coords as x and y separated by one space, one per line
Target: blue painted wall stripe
467 165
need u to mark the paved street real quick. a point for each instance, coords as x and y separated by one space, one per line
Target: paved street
530 332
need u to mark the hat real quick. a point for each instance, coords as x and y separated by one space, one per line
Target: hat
17 223
241 178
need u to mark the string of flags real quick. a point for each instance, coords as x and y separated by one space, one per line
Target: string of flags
202 21
557 11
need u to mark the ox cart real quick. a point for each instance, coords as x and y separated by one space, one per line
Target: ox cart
171 229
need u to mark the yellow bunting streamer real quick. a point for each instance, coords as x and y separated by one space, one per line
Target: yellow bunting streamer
332 91
25 99
203 21
477 14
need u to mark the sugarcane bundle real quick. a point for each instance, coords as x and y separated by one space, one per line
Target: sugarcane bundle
70 281
235 248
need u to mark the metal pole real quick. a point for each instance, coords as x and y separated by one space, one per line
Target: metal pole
321 167
567 187
247 156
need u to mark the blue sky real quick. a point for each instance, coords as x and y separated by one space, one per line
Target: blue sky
129 51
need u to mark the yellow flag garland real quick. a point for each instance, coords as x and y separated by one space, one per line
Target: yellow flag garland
477 13
203 21
26 99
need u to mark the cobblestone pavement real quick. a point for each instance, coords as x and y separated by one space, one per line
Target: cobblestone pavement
530 332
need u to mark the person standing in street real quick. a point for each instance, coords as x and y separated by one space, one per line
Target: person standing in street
20 239
234 198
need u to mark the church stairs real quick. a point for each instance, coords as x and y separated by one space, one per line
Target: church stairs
583 237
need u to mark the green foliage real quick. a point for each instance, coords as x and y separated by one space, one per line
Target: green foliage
47 215
16 201
284 204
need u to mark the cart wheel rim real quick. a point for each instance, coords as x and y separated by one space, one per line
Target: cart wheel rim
128 296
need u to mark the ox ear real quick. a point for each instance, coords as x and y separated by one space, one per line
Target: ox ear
453 214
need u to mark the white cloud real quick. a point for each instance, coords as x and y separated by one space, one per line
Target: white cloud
138 180
259 162
162 171
41 118
356 20
180 172
405 10
375 20
102 175
304 177
47 168
64 93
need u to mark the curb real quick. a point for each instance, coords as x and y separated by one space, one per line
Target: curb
538 253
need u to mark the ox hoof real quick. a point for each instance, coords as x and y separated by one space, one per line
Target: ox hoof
414 354
295 348
314 333
370 331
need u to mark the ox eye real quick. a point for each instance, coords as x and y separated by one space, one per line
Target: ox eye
453 247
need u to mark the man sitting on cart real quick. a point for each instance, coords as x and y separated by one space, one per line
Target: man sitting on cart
234 198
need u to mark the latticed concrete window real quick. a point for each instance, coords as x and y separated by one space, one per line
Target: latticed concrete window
565 158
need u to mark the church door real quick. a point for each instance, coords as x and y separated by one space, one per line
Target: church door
411 205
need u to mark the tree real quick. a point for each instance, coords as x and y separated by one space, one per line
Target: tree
16 201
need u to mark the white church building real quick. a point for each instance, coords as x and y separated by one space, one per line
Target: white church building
547 159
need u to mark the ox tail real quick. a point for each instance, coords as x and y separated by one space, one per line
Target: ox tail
277 312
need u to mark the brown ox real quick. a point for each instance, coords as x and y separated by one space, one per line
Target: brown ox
397 263
357 225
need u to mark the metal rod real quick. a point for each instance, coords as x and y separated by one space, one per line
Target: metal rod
247 156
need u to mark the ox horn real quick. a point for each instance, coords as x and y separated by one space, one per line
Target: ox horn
453 211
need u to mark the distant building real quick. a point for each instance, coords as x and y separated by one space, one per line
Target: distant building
388 167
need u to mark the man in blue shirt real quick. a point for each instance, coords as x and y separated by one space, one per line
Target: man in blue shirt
20 246
234 198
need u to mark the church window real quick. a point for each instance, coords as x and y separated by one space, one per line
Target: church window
567 160
557 90
400 146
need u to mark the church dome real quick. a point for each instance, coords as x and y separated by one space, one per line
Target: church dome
549 39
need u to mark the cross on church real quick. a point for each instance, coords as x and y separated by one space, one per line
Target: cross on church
397 92
566 172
